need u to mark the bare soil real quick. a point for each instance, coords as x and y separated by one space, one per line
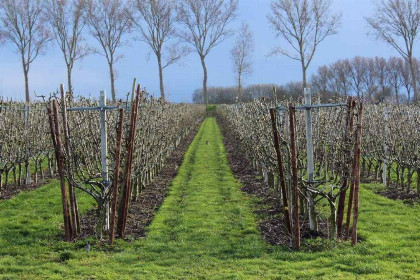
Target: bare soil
408 198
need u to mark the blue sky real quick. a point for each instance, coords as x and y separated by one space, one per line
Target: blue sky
91 75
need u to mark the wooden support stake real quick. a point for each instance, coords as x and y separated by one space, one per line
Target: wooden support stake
293 148
126 191
120 131
281 170
357 176
73 202
346 175
54 120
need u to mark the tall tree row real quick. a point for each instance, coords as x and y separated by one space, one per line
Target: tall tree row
397 23
376 79
22 24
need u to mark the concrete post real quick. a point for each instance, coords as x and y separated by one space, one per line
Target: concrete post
310 158
104 150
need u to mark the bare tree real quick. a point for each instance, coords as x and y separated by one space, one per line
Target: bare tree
67 19
206 24
341 69
394 76
23 25
319 81
303 24
109 22
242 55
405 72
369 78
397 23
155 20
357 74
382 79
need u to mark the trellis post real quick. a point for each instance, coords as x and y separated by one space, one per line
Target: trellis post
104 149
385 163
27 165
310 157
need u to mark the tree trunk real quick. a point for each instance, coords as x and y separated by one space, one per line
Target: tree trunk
413 78
25 73
205 95
101 214
162 90
1 182
333 219
409 179
239 87
69 81
111 73
303 74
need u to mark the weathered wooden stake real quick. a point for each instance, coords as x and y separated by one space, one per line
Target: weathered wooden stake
120 131
73 202
126 191
56 136
281 170
293 161
357 176
346 175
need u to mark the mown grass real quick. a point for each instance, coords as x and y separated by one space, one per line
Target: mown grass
204 230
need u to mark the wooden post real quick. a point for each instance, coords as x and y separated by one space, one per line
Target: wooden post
54 120
293 148
116 177
281 171
357 176
72 194
346 175
126 191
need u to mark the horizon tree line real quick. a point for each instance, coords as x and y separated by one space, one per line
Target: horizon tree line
375 79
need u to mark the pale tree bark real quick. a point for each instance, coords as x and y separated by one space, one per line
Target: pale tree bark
67 19
109 22
397 23
242 56
303 24
155 20
205 95
206 25
22 24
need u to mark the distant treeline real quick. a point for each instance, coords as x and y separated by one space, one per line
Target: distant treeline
376 79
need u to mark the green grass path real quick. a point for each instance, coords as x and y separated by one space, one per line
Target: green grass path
205 229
